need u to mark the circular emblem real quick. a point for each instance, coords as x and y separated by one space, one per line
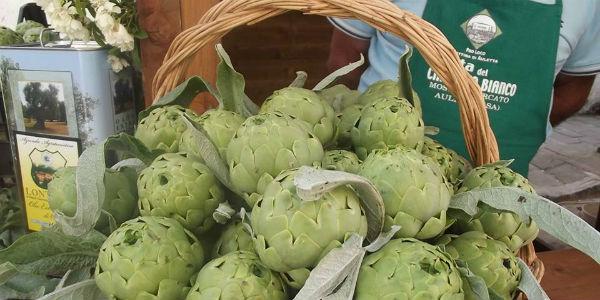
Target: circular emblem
481 29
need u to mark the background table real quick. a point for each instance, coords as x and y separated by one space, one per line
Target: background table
570 275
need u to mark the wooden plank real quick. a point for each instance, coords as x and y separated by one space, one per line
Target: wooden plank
570 274
161 20
206 59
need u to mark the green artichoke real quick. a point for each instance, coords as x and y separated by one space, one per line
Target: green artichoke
386 123
454 166
163 127
383 89
219 125
292 234
33 35
265 145
9 37
148 258
347 120
307 106
182 188
415 193
409 269
235 237
120 197
504 226
339 97
489 259
22 27
341 160
238 275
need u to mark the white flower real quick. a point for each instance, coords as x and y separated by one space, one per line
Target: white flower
117 64
60 17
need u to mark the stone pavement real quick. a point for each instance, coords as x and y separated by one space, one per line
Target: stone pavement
567 169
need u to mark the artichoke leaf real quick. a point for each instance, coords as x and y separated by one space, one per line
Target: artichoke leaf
475 283
90 193
333 269
15 284
210 155
182 95
300 80
312 183
431 130
131 146
231 85
86 289
549 216
135 163
529 284
329 79
405 81
223 213
341 266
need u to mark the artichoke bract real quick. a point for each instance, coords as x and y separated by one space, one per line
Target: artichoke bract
24 26
265 145
148 258
235 237
382 89
415 193
220 126
409 269
120 196
182 188
346 121
341 160
489 259
387 123
293 235
307 106
504 226
163 127
454 166
237 275
9 37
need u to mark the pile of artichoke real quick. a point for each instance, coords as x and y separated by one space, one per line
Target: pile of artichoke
170 244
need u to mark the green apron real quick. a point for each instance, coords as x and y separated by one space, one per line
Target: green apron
509 47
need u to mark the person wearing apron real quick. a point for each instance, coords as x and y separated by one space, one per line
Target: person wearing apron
513 48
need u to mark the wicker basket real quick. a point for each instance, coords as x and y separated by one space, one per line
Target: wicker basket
380 14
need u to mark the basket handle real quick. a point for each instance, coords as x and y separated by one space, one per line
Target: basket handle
382 15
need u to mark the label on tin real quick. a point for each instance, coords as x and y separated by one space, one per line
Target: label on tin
39 157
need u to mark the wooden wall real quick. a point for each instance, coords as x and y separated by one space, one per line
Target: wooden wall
269 53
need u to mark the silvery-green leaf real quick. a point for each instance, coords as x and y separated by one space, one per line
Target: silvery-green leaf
49 252
431 130
210 155
182 95
90 193
131 147
300 80
87 290
7 271
333 269
338 73
312 183
405 81
382 239
529 284
134 163
476 283
348 287
231 85
223 213
549 216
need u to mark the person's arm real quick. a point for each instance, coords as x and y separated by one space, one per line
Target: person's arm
344 50
570 94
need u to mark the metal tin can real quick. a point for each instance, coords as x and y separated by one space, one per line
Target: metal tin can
59 100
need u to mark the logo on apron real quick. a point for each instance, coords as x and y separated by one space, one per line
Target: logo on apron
481 29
